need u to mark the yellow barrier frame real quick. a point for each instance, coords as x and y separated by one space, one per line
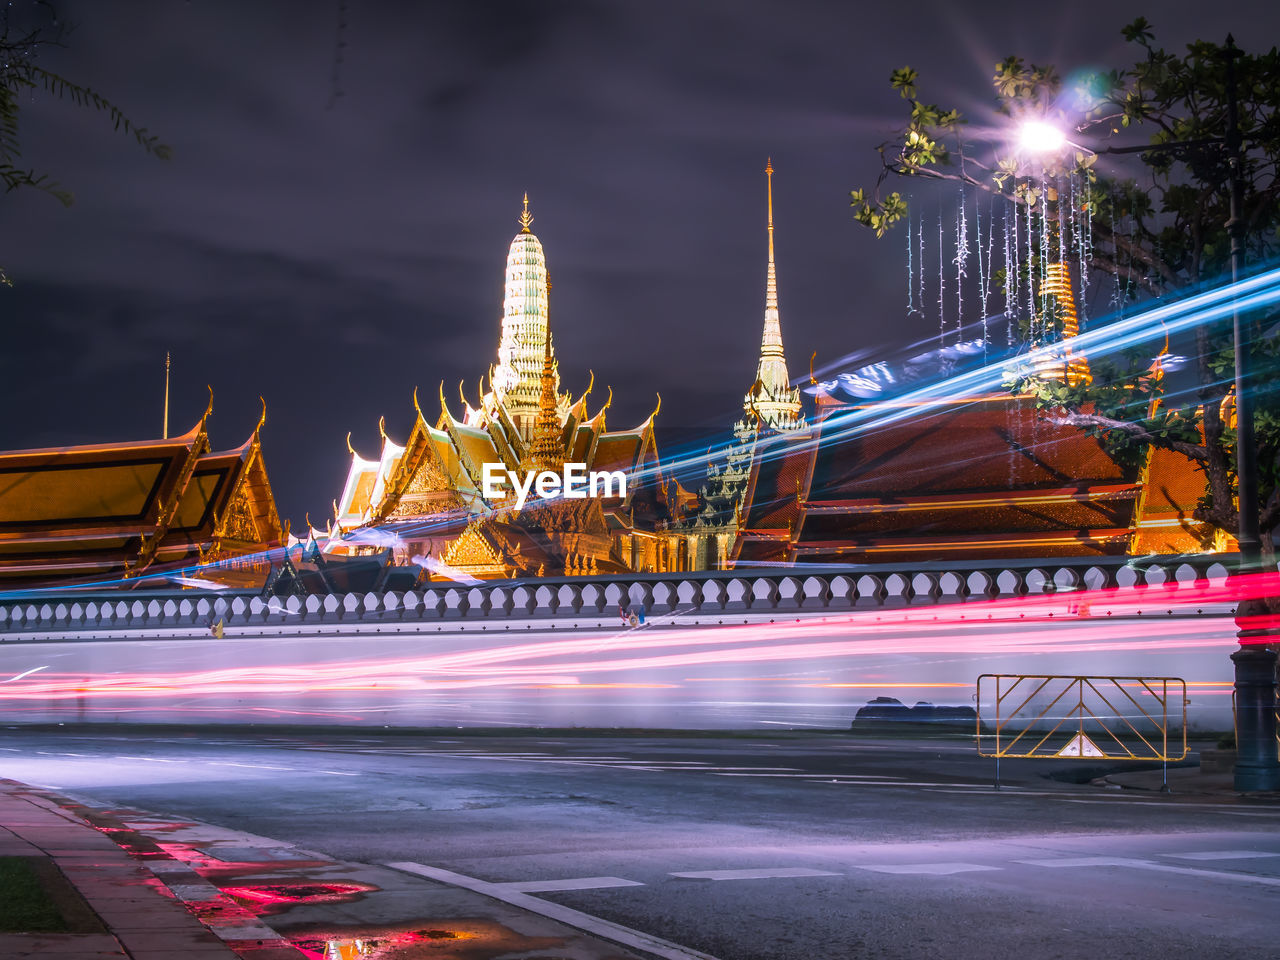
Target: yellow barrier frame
1017 747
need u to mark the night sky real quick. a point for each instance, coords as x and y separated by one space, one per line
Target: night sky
332 253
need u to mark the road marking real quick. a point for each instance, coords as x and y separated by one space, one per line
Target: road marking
1081 862
766 873
1158 867
1222 855
340 773
148 759
579 883
250 766
934 869
554 911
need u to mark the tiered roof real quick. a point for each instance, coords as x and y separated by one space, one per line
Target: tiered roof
983 477
115 511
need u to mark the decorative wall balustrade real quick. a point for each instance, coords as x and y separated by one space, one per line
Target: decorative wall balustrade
720 592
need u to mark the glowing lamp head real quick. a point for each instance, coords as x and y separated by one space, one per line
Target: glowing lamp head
1035 136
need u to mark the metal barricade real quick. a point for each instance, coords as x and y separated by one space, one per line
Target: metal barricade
1057 717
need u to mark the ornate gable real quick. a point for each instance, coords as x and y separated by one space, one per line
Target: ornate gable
473 553
237 522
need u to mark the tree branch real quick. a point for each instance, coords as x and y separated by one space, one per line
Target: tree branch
1137 431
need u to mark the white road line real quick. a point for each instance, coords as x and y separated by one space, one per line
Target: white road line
1222 855
250 766
766 873
152 759
1081 862
578 883
340 773
801 776
1158 867
554 911
933 869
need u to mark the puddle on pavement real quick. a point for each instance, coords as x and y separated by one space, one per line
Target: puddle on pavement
457 939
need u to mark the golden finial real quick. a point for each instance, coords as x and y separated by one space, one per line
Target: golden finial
812 379
657 408
350 449
609 400
768 170
526 217
382 428
262 419
591 382
463 396
417 408
209 409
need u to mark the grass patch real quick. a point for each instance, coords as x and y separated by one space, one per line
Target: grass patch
25 904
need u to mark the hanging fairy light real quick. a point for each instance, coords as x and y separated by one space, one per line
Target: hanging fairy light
942 282
961 260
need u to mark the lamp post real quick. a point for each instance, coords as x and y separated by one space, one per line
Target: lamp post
1257 762
1258 757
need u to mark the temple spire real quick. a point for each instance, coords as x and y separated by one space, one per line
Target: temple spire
546 453
516 379
772 397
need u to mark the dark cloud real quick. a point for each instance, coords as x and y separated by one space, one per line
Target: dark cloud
332 259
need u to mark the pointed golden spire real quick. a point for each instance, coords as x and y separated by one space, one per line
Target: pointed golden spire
768 171
779 404
526 217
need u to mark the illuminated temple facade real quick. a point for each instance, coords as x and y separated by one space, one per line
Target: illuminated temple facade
121 514
425 501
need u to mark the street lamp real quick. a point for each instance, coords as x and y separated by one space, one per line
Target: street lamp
1257 764
1036 136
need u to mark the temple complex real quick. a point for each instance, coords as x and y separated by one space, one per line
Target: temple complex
115 514
977 477
771 406
425 499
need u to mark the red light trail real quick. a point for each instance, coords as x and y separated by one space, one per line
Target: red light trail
1017 625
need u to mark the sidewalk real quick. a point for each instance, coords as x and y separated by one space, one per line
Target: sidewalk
1190 782
132 914
155 888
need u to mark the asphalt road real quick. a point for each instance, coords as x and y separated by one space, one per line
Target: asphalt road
786 848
